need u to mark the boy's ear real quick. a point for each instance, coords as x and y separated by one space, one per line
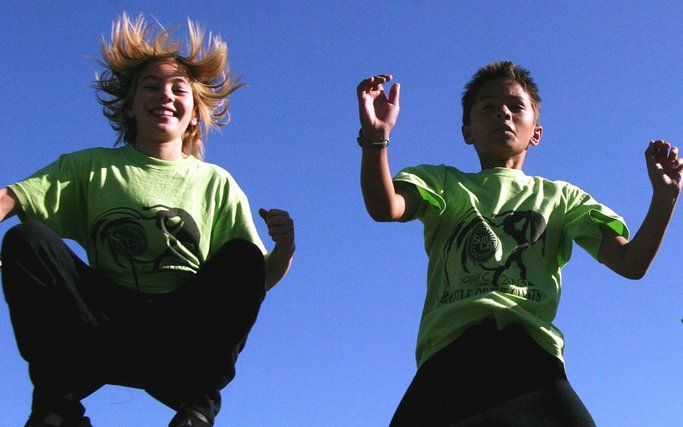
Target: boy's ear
536 137
467 134
195 118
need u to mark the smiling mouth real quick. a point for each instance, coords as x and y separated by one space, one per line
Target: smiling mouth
162 113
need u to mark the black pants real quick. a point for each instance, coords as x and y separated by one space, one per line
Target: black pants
79 331
488 377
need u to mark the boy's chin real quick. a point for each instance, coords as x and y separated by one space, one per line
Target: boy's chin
501 143
507 138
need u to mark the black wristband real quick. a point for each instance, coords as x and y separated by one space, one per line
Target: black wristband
363 142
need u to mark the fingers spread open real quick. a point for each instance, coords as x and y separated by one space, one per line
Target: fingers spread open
395 93
374 82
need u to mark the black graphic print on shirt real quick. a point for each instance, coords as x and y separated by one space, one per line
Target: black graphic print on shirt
484 254
155 238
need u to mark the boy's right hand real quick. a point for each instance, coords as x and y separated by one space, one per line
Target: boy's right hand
378 113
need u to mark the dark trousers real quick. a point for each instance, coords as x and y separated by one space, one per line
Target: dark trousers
488 377
78 331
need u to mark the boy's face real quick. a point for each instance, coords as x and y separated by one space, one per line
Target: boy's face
163 105
502 124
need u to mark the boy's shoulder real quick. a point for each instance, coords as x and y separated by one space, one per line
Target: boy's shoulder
446 174
563 190
425 168
558 183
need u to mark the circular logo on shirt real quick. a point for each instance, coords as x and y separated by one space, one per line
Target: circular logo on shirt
128 237
482 243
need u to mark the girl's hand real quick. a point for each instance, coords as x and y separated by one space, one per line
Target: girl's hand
280 229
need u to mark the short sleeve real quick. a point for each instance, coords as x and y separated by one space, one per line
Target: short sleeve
234 220
584 218
429 181
53 196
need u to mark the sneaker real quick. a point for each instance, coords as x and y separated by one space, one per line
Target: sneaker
47 418
190 417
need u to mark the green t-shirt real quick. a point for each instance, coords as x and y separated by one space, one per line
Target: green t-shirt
496 242
146 223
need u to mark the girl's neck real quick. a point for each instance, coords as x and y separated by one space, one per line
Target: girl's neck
172 150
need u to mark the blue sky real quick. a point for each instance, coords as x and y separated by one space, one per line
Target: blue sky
334 344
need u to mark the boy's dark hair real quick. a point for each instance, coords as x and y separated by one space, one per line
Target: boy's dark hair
499 70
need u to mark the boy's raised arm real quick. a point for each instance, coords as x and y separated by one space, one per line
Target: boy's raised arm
9 204
631 259
378 116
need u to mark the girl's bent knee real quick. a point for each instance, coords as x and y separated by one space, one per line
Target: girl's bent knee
241 246
22 235
241 252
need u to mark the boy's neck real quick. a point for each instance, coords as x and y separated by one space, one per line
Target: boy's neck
509 163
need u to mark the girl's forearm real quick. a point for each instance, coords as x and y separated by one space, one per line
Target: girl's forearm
277 265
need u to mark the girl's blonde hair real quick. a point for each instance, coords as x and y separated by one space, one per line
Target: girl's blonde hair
134 45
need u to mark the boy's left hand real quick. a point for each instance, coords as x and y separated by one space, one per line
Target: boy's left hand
280 228
665 168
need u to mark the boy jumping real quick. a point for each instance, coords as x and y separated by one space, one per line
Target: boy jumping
487 351
176 271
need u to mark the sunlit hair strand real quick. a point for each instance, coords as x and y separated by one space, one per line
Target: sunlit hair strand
133 45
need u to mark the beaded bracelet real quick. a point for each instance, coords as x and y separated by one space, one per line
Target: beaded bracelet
363 142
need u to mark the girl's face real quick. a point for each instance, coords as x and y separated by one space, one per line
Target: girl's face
163 105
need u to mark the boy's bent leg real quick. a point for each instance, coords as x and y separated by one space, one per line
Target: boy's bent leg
40 278
209 321
466 381
554 405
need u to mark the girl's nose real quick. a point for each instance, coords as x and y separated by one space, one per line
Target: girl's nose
167 94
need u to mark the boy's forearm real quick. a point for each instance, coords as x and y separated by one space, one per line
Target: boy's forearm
636 256
381 200
277 265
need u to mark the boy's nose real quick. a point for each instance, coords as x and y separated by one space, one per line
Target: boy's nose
503 113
